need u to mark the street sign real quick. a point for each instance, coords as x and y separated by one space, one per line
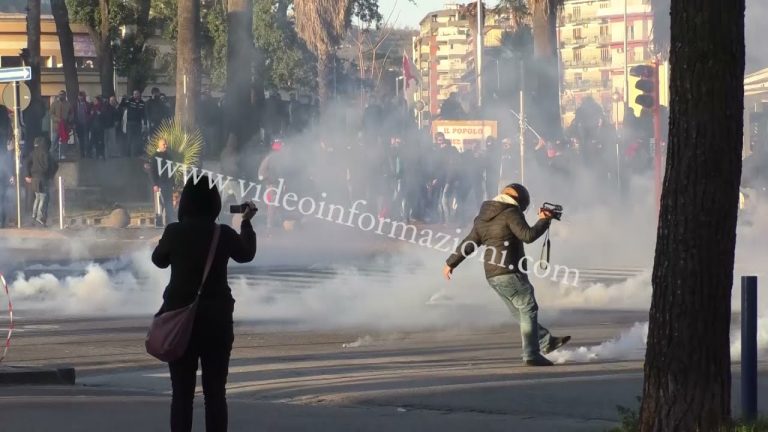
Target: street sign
15 74
25 96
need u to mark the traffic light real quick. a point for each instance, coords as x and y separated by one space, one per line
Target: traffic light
647 84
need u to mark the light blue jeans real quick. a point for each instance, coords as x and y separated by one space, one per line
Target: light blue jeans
517 292
40 206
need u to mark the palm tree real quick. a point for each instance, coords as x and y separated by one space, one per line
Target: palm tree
240 60
188 62
66 43
547 85
687 383
321 24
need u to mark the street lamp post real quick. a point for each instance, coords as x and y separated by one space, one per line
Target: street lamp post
617 99
397 86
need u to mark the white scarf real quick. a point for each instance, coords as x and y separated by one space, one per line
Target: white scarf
506 199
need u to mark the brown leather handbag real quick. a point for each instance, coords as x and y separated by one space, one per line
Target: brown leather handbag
169 333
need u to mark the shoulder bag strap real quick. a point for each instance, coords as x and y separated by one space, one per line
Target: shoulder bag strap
211 254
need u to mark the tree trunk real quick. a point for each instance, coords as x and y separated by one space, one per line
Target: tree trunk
687 364
546 103
240 69
106 65
66 43
325 61
136 78
188 62
33 115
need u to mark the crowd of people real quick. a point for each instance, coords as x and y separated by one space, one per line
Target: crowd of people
418 178
103 127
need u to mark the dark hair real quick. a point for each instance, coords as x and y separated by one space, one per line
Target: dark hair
199 200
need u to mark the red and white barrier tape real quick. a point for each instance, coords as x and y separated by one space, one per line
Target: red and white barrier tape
10 317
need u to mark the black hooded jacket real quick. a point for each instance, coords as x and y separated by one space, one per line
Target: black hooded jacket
185 244
502 229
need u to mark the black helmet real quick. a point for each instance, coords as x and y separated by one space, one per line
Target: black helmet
523 198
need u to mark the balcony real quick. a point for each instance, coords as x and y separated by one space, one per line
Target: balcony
572 20
583 63
583 85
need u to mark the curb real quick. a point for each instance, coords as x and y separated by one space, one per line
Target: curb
25 375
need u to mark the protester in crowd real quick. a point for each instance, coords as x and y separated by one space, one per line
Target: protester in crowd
83 118
100 121
7 180
62 117
40 168
111 118
162 183
5 123
135 117
492 166
185 247
271 171
394 180
230 166
157 110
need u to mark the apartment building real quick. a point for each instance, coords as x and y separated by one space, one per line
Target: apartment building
591 36
439 53
444 52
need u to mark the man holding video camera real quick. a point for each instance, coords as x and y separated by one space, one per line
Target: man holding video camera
501 227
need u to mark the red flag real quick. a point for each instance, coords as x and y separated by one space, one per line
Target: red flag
411 79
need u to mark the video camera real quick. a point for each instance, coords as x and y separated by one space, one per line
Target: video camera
556 210
240 208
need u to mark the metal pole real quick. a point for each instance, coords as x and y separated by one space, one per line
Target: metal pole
479 62
522 122
626 60
61 204
618 157
657 137
17 149
749 347
498 76
397 87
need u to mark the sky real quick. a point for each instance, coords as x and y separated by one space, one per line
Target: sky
407 14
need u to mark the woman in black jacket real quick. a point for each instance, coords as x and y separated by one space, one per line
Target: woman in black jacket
184 246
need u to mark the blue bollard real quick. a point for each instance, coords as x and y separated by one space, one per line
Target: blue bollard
749 348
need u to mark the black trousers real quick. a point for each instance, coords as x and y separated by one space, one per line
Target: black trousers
166 200
84 139
135 142
211 344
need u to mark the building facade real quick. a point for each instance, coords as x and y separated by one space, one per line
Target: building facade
444 52
591 36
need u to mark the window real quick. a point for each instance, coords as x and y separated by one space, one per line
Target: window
577 13
604 31
434 18
577 55
631 32
605 5
605 54
631 55
577 77
577 33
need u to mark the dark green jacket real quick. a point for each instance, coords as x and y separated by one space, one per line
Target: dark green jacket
502 229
